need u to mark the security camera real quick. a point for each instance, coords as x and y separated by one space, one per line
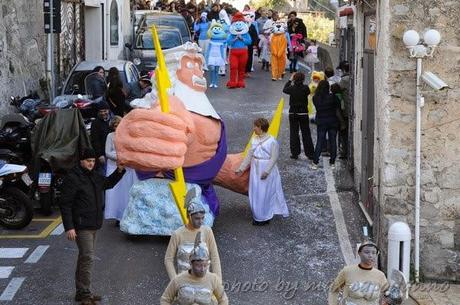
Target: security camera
433 81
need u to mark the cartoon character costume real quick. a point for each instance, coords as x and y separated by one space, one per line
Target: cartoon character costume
316 77
278 46
238 42
215 56
225 21
191 135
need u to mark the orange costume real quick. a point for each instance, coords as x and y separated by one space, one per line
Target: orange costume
278 45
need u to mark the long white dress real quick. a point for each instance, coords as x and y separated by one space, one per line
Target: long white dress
266 197
116 199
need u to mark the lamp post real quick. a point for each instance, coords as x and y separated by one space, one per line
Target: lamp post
419 49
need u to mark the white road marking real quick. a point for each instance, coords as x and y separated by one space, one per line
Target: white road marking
342 232
36 255
12 252
12 288
5 271
59 230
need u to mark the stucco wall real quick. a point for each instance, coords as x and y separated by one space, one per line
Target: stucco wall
22 48
440 149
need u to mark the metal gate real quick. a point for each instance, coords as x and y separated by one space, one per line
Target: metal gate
71 48
367 132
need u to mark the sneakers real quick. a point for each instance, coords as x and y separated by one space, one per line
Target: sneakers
274 79
314 166
332 165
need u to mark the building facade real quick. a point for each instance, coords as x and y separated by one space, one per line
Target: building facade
384 120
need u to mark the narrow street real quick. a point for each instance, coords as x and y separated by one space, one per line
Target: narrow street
290 261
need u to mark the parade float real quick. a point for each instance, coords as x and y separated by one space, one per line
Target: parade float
176 140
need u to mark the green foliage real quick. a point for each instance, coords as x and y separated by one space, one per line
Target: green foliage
319 27
273 4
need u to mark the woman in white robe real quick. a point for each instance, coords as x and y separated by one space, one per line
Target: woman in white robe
266 196
116 199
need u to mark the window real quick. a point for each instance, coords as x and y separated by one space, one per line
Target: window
114 23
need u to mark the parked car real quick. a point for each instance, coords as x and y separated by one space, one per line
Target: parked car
75 82
167 19
143 51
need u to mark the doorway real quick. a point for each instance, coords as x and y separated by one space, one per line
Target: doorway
367 134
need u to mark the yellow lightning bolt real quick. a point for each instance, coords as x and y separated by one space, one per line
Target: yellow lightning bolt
177 187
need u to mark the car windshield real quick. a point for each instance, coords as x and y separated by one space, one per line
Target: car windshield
173 22
168 40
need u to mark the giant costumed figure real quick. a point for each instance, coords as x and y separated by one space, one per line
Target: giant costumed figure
238 42
191 136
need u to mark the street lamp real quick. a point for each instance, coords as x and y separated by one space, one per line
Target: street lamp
420 49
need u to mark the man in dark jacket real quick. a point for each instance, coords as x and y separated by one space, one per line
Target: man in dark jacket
82 214
298 115
99 131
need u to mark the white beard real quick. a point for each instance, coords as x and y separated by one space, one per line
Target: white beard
193 100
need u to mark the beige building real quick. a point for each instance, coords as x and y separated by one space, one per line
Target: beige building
384 124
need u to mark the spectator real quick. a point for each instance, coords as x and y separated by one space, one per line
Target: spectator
201 30
296 25
346 109
261 21
99 131
115 94
327 122
95 83
298 116
312 55
139 88
214 13
191 7
81 210
246 7
117 198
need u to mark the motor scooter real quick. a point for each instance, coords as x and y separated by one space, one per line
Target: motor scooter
16 208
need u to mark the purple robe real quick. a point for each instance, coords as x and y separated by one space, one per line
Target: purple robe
202 174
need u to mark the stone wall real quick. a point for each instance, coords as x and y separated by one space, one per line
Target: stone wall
395 132
22 48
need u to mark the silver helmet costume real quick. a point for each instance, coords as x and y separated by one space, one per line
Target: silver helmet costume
193 204
200 251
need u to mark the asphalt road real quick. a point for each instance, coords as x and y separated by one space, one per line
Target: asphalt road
290 261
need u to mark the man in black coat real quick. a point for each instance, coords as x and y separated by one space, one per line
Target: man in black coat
82 213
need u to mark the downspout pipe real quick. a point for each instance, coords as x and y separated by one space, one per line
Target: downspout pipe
418 138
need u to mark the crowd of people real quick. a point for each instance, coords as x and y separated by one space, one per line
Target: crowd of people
332 105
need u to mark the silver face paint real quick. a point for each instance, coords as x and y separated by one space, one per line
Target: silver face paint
368 255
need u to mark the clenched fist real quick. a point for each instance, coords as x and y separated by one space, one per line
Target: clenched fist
150 140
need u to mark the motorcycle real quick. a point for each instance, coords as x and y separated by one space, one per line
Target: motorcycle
49 183
16 209
15 134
